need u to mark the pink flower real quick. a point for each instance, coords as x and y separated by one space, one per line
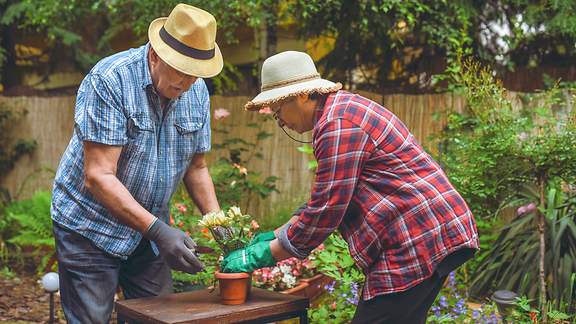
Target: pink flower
526 209
221 113
333 306
265 111
171 221
182 208
254 225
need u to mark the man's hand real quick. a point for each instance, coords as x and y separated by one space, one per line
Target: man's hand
263 237
248 259
175 247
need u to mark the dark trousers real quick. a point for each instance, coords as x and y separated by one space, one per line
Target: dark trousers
89 277
407 307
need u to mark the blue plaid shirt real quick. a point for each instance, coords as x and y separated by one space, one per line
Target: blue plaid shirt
118 105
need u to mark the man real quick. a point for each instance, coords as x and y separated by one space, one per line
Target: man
406 226
142 124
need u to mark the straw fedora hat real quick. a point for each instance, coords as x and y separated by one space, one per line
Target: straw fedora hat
186 40
289 74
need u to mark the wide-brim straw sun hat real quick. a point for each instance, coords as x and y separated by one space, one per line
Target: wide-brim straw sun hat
286 75
186 40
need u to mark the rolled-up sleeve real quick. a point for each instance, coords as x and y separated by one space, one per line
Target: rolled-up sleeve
99 116
341 149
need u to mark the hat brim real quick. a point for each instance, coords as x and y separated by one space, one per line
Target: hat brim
269 97
185 64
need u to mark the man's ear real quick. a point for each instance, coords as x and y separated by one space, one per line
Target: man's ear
153 56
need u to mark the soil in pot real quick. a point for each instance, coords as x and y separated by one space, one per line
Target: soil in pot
234 287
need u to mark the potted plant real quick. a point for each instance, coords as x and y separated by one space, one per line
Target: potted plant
231 230
293 276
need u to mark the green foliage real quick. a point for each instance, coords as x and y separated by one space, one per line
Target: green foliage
64 25
524 313
495 149
511 265
182 216
388 39
7 273
388 42
34 226
339 303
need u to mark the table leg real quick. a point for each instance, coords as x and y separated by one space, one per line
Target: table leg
120 319
304 317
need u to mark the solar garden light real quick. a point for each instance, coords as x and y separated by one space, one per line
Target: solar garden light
51 284
505 301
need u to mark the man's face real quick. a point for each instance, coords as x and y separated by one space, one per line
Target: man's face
169 82
294 113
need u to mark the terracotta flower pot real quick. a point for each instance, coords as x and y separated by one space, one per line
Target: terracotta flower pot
234 287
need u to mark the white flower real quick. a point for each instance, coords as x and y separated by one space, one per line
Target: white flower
289 280
214 218
235 210
286 269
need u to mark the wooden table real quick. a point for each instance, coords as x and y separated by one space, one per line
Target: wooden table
201 306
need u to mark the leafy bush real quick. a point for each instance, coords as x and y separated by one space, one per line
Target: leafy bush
34 227
496 147
510 264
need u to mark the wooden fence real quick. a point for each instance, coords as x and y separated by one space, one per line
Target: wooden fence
49 120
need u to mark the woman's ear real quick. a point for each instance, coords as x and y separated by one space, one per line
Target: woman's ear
302 99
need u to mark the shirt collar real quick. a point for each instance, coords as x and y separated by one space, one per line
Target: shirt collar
147 80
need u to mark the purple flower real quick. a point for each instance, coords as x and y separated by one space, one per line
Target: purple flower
354 290
443 301
460 307
494 318
330 287
475 314
452 280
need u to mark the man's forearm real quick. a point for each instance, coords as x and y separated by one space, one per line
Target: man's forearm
201 189
113 195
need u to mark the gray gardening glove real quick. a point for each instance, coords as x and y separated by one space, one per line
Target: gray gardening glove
175 247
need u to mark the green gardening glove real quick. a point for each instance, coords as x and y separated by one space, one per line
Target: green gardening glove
248 259
262 237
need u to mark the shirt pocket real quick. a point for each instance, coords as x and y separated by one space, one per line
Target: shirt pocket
187 137
141 137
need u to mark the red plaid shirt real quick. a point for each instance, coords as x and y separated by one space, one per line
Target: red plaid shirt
389 199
